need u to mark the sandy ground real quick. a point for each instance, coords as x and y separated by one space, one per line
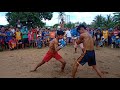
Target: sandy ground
18 63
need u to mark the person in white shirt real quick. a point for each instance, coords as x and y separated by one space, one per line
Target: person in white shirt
68 35
12 29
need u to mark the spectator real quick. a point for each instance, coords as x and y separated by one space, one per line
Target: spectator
18 38
98 36
39 42
24 32
12 43
68 35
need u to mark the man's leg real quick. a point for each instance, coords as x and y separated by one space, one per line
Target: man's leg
63 64
76 64
47 57
74 70
97 71
75 50
41 63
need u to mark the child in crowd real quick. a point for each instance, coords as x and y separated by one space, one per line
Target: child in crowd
39 42
12 43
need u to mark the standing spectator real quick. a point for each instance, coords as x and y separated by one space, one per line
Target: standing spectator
18 38
30 38
34 36
24 32
105 35
98 36
68 35
47 37
9 35
19 24
109 38
12 29
2 38
74 35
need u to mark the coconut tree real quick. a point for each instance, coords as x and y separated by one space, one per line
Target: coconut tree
117 18
109 22
99 21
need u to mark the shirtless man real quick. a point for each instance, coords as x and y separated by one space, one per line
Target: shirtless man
54 47
88 54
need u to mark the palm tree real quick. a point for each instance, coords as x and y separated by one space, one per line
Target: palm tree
109 23
99 21
117 18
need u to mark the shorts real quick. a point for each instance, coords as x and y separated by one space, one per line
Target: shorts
51 39
97 42
69 40
25 40
2 42
106 40
88 56
34 41
74 37
30 41
20 41
50 55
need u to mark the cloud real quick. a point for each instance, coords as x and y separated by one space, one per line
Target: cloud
87 17
3 20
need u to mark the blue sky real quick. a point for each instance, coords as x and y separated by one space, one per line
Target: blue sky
87 17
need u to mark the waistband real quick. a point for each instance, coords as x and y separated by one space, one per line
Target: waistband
90 50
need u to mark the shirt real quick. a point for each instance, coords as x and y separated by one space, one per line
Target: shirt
24 32
105 34
74 32
68 33
18 35
9 35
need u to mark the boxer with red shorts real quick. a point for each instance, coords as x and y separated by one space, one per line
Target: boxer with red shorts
55 45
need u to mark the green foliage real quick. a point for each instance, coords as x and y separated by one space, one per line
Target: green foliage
34 17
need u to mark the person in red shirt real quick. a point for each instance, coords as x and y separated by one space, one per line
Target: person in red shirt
116 32
34 36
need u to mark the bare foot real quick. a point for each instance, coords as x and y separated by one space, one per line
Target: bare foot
75 52
32 70
104 72
62 71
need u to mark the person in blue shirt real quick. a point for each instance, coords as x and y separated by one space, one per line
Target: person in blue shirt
39 42
74 34
117 42
113 41
2 38
8 37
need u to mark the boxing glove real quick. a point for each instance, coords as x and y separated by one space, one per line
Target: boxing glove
62 43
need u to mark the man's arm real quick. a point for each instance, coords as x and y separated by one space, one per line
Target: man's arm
57 48
80 40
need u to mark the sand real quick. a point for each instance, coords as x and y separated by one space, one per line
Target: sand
18 63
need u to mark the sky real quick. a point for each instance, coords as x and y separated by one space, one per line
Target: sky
87 17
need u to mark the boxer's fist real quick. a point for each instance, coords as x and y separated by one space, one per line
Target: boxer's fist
62 43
